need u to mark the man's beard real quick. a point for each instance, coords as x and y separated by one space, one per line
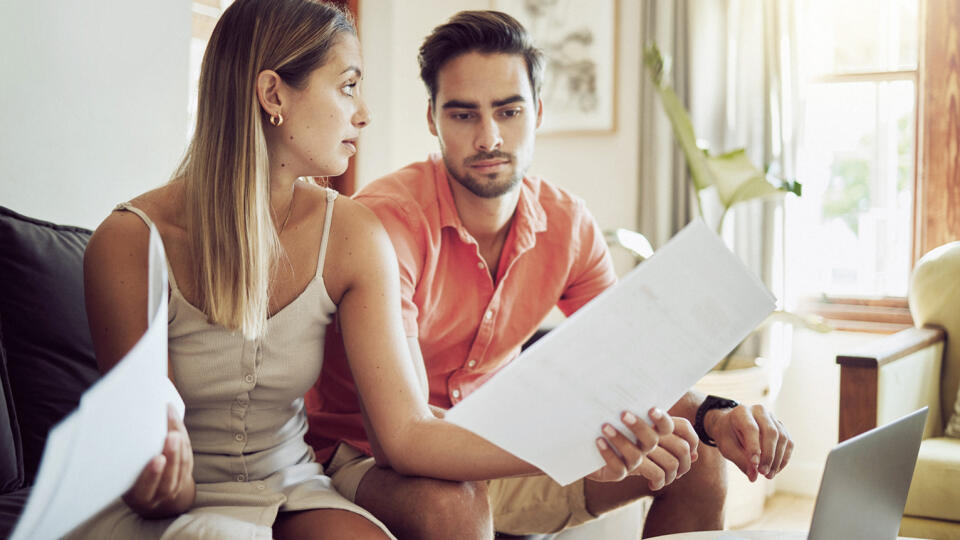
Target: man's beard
490 189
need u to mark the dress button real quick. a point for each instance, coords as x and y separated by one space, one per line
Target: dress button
455 394
472 363
248 378
480 265
488 315
239 437
241 478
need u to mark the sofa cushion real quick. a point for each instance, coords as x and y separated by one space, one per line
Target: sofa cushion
49 353
11 452
936 480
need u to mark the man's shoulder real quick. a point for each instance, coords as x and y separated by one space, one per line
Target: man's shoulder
411 188
557 202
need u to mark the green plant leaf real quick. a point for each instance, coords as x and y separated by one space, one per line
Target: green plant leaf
737 179
679 121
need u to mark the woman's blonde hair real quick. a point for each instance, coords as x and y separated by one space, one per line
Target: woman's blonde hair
225 171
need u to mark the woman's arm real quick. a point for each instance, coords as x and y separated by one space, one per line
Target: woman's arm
412 440
115 287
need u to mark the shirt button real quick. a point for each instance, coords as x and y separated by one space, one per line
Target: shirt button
248 377
472 363
455 394
480 265
239 437
241 478
488 315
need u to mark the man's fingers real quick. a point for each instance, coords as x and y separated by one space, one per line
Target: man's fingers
769 437
784 445
748 437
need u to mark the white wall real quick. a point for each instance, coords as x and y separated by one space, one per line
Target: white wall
600 168
93 103
808 404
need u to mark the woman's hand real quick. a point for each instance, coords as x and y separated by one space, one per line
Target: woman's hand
165 487
624 457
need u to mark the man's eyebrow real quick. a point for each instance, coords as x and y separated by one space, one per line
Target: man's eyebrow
354 69
457 104
509 100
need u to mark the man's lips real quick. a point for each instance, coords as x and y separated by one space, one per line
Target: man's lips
489 165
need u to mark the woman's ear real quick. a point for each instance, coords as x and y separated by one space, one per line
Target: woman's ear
268 92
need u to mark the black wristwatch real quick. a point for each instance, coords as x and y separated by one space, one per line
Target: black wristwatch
710 403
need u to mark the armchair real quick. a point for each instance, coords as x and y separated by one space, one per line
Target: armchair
910 369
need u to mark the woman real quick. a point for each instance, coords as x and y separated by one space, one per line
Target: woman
258 262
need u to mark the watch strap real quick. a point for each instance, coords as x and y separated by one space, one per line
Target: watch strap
710 403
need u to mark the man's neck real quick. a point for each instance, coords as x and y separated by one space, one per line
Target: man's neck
486 219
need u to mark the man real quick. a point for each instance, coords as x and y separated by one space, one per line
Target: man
485 252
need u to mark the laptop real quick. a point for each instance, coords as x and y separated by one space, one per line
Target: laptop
865 482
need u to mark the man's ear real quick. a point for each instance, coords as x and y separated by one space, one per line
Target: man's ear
269 89
430 121
539 112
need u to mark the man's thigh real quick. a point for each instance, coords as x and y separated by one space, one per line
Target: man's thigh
536 505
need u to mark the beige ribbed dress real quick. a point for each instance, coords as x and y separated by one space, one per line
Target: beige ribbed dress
245 417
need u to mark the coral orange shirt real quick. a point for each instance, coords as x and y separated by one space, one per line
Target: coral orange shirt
469 324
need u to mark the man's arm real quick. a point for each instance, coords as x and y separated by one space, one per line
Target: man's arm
749 436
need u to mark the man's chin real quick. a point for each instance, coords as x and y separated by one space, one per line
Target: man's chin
489 188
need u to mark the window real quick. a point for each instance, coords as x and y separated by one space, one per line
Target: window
851 233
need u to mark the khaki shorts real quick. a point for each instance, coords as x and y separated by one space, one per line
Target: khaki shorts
522 505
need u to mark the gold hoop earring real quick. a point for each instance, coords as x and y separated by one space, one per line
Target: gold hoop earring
276 120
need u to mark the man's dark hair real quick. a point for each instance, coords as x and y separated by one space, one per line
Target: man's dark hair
478 31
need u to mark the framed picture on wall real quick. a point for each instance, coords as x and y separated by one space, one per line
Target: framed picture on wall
578 40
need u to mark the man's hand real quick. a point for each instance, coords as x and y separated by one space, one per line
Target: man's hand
750 437
624 457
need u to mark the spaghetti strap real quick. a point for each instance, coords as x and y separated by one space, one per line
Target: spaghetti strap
131 208
331 196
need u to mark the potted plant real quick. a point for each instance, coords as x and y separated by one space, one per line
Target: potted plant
740 375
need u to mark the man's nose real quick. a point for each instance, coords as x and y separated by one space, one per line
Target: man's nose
488 136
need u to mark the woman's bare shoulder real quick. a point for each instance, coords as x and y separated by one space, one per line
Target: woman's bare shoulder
358 248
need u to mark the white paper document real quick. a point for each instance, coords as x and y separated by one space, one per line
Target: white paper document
96 453
640 344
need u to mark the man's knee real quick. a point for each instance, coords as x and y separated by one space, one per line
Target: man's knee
453 510
711 473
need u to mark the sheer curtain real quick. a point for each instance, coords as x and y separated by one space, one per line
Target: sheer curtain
733 63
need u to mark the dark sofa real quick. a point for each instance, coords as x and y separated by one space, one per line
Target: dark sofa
46 356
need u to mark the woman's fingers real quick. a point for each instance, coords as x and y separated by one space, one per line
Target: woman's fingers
662 422
171 473
614 469
630 454
646 435
142 494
